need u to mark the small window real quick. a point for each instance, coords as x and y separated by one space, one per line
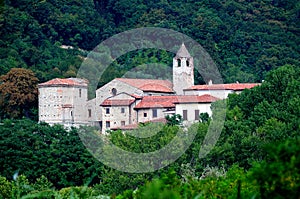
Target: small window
80 92
187 63
154 113
107 110
122 123
122 110
71 113
107 124
179 62
145 114
184 114
197 114
114 91
90 112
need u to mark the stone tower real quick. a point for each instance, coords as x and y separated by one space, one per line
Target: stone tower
183 70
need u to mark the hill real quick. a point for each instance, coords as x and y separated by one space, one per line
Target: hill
245 38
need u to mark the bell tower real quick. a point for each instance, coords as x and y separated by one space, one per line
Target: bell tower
183 70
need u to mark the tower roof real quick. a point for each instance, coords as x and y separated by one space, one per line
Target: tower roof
183 52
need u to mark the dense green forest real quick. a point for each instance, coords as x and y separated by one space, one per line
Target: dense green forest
256 156
245 38
258 152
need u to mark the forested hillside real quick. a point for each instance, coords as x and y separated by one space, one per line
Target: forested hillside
256 156
245 38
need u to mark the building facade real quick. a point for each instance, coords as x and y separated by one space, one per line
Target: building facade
124 103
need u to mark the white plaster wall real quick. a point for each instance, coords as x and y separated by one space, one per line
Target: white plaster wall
183 76
52 99
106 91
191 107
221 94
141 118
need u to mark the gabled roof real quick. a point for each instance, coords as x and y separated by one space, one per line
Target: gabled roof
170 101
163 86
156 102
183 52
116 101
64 82
234 86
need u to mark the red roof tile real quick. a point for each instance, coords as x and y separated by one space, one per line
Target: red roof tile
149 84
235 86
117 102
184 99
65 82
170 101
135 96
156 102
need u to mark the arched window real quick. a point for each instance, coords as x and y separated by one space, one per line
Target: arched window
187 63
114 91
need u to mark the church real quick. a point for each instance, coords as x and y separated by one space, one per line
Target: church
123 103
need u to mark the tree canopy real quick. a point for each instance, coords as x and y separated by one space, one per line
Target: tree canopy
18 93
245 39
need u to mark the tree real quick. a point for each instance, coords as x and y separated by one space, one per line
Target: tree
18 93
174 119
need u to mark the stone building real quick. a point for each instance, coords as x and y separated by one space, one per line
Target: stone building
123 103
63 101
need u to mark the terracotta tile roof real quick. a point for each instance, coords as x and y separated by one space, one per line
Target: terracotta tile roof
185 99
170 101
234 86
156 102
117 102
135 96
65 82
149 84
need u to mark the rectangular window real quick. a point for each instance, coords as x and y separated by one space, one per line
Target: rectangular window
145 114
107 110
154 113
80 92
197 114
90 112
122 123
122 110
107 124
184 114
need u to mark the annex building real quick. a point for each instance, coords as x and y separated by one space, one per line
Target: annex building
124 103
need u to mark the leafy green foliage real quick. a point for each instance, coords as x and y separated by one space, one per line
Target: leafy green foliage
264 116
175 119
246 39
279 175
38 149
